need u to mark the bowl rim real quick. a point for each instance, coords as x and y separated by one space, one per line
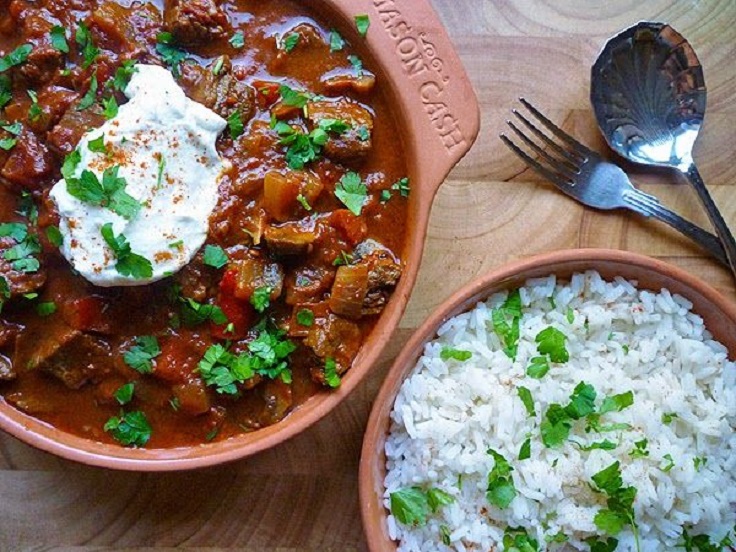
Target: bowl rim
509 275
428 163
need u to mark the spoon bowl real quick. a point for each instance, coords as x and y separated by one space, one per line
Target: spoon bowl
648 94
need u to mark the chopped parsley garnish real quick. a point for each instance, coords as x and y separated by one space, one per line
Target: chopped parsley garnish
668 465
699 462
128 263
401 185
526 398
570 315
16 230
86 45
337 126
343 259
46 309
332 378
357 64
551 341
215 256
600 445
667 417
293 97
290 42
515 539
140 356
362 23
538 367
15 129
352 192
130 429
123 75
501 490
609 545
58 39
337 42
640 449
160 171
109 193
6 93
124 393
525 452
505 321
617 403
304 203
237 40
703 543
34 111
267 356
4 291
193 313
21 255
170 54
620 502
97 145
412 505
305 317
385 196
364 135
235 124
110 108
261 298
90 97
448 353
16 57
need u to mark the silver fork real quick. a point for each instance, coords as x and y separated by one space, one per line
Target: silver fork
585 176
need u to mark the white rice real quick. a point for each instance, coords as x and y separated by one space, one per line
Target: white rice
449 413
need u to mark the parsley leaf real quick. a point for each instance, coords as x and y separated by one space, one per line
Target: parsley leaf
505 320
305 317
357 64
538 367
290 42
448 353
640 449
293 97
667 467
402 185
123 75
617 403
124 393
667 417
110 108
58 39
526 398
352 192
128 263
332 378
261 298
601 445
46 309
16 57
170 54
596 545
90 97
130 429
86 44
516 539
620 502
97 145
337 42
362 23
6 92
53 234
551 341
501 490
235 124
194 313
582 401
109 193
4 291
525 452
34 111
410 506
220 370
215 256
237 40
140 356
16 230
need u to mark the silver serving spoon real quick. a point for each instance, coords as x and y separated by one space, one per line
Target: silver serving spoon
648 94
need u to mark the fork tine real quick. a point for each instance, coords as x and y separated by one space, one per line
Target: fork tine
554 177
574 157
557 131
560 165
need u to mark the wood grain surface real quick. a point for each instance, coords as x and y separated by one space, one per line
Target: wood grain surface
303 494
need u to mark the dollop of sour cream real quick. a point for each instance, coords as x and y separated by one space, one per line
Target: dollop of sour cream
164 146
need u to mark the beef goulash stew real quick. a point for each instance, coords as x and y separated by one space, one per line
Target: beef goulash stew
202 208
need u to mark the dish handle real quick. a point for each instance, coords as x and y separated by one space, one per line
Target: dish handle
429 83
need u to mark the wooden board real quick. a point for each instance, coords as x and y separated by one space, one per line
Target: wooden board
303 495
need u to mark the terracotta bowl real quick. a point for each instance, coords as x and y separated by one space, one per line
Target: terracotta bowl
436 106
719 315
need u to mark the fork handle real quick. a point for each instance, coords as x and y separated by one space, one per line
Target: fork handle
648 205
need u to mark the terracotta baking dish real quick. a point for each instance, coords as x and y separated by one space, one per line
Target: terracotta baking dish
718 313
437 108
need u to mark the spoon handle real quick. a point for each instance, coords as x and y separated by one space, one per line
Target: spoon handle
729 244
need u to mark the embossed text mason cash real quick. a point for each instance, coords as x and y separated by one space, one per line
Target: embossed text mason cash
422 63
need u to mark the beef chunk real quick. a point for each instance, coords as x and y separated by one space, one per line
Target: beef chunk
197 281
355 142
336 338
44 60
18 281
255 272
125 28
361 83
292 238
69 355
284 195
223 93
29 164
65 136
384 272
195 22
308 284
349 290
